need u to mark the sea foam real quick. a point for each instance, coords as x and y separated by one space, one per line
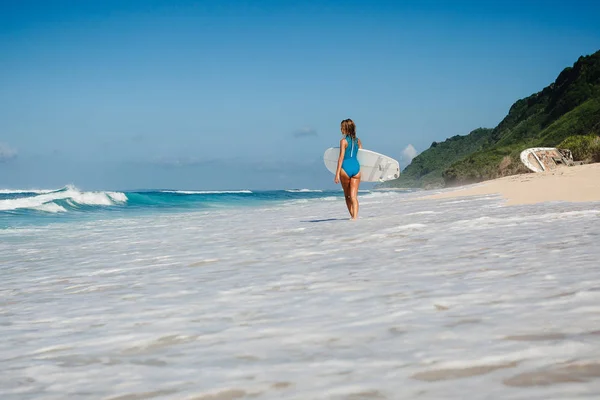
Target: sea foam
416 299
303 190
208 191
44 200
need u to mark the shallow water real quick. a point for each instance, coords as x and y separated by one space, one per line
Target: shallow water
420 299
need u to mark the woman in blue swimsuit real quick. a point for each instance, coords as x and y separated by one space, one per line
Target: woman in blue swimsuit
348 168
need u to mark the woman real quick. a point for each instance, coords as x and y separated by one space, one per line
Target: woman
348 168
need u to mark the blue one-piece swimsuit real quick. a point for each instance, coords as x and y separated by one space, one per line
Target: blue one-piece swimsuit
350 163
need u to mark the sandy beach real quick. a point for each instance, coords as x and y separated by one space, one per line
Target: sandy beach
569 184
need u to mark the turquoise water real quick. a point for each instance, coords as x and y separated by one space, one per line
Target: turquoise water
34 207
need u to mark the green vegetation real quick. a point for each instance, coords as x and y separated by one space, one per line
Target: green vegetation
426 169
558 115
584 148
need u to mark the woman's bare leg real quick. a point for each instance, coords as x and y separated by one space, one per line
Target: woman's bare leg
354 184
345 181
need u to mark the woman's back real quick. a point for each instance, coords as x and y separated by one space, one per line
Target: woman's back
352 148
350 164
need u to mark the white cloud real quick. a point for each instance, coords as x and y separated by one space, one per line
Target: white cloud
180 162
409 153
304 132
6 153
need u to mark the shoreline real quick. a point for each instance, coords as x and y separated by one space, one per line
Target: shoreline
575 184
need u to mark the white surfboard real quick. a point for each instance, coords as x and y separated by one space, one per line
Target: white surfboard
374 167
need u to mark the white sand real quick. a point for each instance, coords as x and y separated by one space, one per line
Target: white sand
570 184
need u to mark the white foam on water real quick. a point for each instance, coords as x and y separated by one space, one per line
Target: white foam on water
117 197
380 194
423 212
304 191
72 195
416 299
208 191
50 207
23 191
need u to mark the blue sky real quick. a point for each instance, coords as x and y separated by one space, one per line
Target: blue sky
249 94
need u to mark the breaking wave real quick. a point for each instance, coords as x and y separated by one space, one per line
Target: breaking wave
69 199
59 200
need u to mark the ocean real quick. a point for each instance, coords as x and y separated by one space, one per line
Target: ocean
278 295
35 206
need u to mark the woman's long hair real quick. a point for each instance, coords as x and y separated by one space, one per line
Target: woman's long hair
349 129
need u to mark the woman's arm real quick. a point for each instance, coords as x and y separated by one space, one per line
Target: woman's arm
343 145
359 144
